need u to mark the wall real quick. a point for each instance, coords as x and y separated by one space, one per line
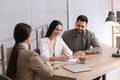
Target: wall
12 12
44 11
33 12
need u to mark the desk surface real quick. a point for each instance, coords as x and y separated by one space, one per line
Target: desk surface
100 64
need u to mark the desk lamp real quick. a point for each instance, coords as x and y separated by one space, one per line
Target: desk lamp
111 20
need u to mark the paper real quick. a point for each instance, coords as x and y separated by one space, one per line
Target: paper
72 60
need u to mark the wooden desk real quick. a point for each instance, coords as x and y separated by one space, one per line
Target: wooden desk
100 64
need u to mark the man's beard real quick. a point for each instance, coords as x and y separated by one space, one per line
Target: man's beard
78 31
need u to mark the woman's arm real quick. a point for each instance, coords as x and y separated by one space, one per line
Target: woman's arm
61 58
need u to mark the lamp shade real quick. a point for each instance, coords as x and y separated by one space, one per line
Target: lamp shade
110 20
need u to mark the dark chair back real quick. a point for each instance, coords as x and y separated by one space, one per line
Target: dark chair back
2 59
3 77
37 50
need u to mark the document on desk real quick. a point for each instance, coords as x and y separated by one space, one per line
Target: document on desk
77 68
72 60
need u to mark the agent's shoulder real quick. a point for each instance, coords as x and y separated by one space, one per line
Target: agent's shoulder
31 53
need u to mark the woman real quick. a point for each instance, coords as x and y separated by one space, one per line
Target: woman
24 64
52 47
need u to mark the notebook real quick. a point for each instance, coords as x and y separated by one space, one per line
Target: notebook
77 68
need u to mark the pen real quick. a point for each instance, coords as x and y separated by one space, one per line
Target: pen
65 54
70 56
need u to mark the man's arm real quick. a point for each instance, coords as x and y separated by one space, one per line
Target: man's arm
96 48
84 52
95 44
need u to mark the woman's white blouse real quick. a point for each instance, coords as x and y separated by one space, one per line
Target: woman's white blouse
60 48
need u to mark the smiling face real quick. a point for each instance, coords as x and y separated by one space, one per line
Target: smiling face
57 31
80 26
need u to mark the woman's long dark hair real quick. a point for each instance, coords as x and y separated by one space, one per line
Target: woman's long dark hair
22 32
52 26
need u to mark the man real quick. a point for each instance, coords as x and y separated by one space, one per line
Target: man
80 40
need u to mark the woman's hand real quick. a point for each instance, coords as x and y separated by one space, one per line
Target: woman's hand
62 58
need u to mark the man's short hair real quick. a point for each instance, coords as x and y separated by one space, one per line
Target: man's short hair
82 18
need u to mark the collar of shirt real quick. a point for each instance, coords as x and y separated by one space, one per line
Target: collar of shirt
25 45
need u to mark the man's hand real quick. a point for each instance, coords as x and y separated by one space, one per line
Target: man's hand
82 59
80 53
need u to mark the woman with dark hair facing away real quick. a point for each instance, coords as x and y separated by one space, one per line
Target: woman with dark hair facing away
22 63
52 47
